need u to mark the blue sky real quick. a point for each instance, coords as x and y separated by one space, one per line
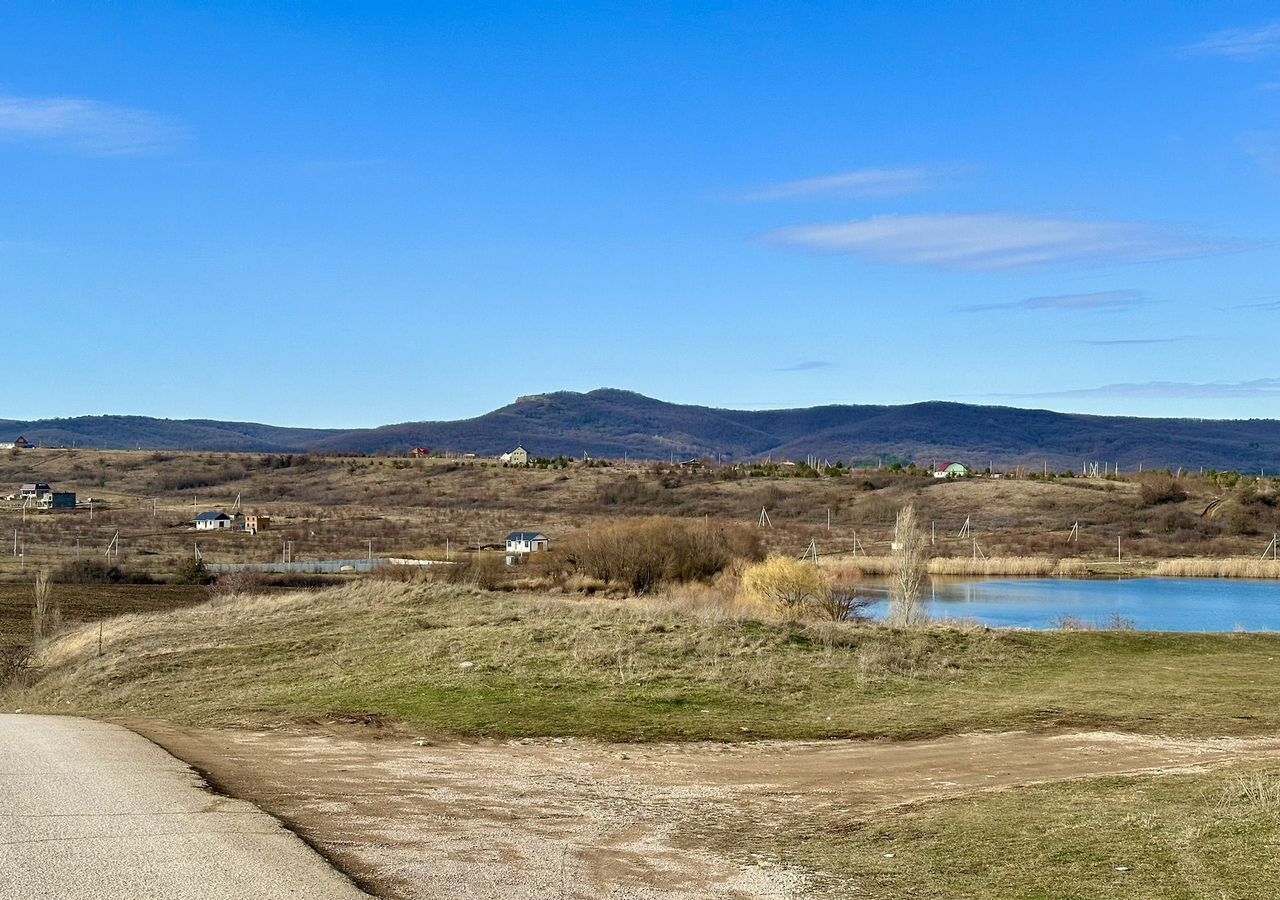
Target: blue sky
354 214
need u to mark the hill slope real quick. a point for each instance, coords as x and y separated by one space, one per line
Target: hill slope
614 423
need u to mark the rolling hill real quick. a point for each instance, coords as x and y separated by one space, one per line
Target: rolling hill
614 423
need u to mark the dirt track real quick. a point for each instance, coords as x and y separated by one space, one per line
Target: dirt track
577 819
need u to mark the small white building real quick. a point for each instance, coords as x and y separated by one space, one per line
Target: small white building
213 521
951 470
527 542
517 457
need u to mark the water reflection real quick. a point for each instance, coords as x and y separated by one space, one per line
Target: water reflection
1152 604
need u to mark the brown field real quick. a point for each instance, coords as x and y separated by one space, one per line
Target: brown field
328 507
80 603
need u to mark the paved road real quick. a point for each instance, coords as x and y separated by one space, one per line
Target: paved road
89 810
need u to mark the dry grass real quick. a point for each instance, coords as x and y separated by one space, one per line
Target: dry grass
688 665
1249 793
330 508
1218 568
1028 566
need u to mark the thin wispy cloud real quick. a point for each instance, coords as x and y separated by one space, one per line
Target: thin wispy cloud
1069 302
859 184
1239 43
1132 342
86 126
1261 305
995 241
807 365
1258 388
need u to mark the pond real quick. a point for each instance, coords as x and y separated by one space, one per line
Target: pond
1148 604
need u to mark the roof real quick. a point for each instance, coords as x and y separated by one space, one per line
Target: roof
526 536
211 516
949 464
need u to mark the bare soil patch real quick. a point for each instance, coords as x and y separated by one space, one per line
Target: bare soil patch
415 818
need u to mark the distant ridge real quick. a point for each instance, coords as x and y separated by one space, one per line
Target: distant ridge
614 423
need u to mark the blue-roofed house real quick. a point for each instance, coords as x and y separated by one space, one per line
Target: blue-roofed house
527 542
212 521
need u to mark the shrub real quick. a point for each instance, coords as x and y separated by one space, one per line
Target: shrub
93 571
641 555
790 587
192 571
1161 489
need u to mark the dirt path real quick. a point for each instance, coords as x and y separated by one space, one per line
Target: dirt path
578 819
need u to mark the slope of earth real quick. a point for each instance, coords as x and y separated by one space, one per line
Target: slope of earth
580 819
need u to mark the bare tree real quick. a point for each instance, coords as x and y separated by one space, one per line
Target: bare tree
45 614
906 604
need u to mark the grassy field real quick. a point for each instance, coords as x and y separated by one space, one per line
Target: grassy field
1169 837
458 661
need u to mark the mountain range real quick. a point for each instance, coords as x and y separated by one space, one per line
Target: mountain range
616 423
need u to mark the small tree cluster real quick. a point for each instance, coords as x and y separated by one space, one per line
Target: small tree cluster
643 554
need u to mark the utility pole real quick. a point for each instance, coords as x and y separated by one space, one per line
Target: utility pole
370 549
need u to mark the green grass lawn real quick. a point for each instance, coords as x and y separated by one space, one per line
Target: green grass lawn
457 661
1171 837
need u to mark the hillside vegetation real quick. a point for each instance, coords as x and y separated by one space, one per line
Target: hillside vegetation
452 660
341 508
614 423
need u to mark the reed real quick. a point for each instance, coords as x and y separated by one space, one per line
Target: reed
1034 566
1227 567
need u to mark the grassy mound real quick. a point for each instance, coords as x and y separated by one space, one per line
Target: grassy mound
454 660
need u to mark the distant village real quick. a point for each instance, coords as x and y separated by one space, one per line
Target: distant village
518 545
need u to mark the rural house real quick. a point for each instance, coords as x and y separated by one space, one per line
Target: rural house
517 457
35 490
56 500
527 542
254 524
951 470
212 521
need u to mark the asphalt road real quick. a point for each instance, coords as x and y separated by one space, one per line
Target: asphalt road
90 810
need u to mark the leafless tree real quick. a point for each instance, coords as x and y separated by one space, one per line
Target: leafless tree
906 605
46 616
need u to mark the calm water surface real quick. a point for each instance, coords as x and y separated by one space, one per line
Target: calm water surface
1150 604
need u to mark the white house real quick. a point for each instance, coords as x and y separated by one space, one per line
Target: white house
951 470
527 542
212 521
517 457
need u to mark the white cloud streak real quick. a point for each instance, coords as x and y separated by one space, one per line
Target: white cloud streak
1167 390
995 241
859 184
807 365
1069 302
1239 43
85 126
